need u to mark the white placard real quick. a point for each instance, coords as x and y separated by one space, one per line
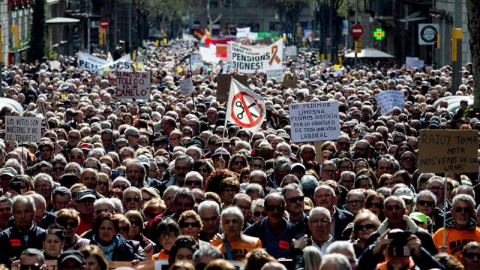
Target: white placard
131 84
54 65
209 54
275 73
314 121
387 100
196 60
292 50
243 32
93 64
247 59
23 129
186 86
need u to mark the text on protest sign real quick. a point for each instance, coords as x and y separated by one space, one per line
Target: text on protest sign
275 73
186 86
314 121
443 151
387 100
250 58
131 84
93 64
23 129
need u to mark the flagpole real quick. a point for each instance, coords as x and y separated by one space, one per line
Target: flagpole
444 210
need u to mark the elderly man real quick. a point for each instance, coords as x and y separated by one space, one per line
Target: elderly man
281 167
133 135
193 180
324 196
89 178
471 256
84 202
436 186
274 231
136 174
295 203
132 199
61 197
209 212
184 201
319 224
461 228
23 234
183 165
43 185
5 211
31 258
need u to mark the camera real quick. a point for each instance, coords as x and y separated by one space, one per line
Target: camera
398 246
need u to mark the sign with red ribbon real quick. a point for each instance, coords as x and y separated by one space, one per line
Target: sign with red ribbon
249 59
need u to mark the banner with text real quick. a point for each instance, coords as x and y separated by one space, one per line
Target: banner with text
249 58
387 100
93 64
448 151
131 84
23 129
276 74
314 121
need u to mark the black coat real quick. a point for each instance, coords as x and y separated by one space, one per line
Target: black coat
125 250
12 243
342 219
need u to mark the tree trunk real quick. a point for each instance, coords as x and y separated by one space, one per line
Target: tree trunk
473 8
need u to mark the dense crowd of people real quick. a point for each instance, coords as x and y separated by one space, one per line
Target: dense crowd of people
170 179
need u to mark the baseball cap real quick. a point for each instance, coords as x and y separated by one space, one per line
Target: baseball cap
404 193
8 171
144 160
74 255
419 217
85 194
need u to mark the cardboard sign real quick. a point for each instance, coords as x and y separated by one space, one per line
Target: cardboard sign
131 84
275 73
314 121
387 100
289 81
186 86
223 85
23 129
448 151
247 59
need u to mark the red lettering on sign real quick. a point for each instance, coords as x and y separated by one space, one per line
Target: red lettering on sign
284 244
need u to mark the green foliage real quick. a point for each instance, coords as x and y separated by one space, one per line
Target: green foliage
38 34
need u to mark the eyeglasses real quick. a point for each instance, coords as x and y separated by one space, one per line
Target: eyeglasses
322 220
122 187
459 209
193 183
136 199
101 211
272 208
36 266
258 213
407 201
425 203
71 224
73 137
365 227
239 162
102 183
257 166
57 169
343 143
353 202
377 205
195 224
296 199
471 255
44 186
169 235
328 171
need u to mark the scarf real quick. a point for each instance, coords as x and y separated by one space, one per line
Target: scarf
107 250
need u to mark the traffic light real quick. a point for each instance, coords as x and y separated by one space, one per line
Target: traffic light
457 34
101 36
437 42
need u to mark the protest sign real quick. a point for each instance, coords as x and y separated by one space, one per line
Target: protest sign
209 54
275 73
387 100
186 86
223 85
55 65
292 50
243 32
247 59
448 151
23 129
289 81
131 84
314 121
222 51
196 61
93 64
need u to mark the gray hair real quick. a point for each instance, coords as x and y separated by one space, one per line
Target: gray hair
337 259
233 211
33 252
312 257
282 162
42 175
187 158
257 202
463 198
118 203
258 173
208 205
329 188
338 246
130 131
395 198
286 145
134 189
207 251
320 209
356 192
104 201
98 151
427 193
345 173
275 265
25 199
291 187
255 187
194 173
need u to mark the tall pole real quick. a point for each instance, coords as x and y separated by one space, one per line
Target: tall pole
356 21
331 30
130 28
457 65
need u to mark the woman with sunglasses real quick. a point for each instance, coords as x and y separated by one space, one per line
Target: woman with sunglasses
364 224
69 219
191 224
235 245
135 232
237 163
258 210
374 203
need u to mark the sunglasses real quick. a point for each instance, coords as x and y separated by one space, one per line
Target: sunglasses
102 183
258 213
239 162
377 205
271 208
71 224
471 255
195 224
31 266
57 169
366 227
122 187
136 199
425 203
296 199
343 143
463 209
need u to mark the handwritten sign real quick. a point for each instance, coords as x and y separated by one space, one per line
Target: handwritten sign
131 84
387 100
186 86
23 129
314 121
275 73
443 151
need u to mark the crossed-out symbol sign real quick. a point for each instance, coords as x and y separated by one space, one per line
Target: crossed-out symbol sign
246 110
